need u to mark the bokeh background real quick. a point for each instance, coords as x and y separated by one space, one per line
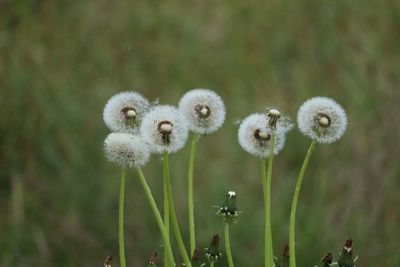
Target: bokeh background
60 61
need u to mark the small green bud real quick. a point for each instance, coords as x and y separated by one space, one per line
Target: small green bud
212 252
346 257
228 208
327 261
152 260
283 260
108 262
196 258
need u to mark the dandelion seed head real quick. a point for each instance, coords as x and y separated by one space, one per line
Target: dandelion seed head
126 150
203 109
124 112
164 129
255 134
322 119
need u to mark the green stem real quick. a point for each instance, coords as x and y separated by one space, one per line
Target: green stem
267 179
211 263
190 195
228 245
121 219
166 205
170 256
292 251
174 221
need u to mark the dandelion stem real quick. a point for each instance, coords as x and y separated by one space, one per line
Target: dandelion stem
267 178
228 245
292 251
190 194
174 221
166 205
211 263
170 256
121 219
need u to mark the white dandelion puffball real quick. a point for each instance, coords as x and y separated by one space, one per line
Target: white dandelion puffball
164 129
124 112
126 150
255 134
322 119
203 109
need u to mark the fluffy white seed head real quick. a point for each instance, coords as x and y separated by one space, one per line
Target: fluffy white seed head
126 150
255 134
322 119
124 112
164 129
203 109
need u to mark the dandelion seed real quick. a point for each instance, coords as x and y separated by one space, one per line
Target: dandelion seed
126 150
255 133
237 121
164 129
322 119
203 109
124 112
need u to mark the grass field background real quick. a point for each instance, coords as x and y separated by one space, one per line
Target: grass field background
61 60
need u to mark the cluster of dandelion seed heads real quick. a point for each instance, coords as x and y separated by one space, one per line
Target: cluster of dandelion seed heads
322 119
124 112
164 129
126 150
203 109
255 134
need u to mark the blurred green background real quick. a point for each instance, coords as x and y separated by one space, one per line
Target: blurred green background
60 61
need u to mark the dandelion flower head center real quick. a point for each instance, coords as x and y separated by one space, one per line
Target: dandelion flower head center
262 136
165 129
323 120
130 116
203 111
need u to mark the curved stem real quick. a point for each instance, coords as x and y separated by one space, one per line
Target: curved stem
267 179
166 205
292 251
121 219
170 256
190 195
174 221
228 245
